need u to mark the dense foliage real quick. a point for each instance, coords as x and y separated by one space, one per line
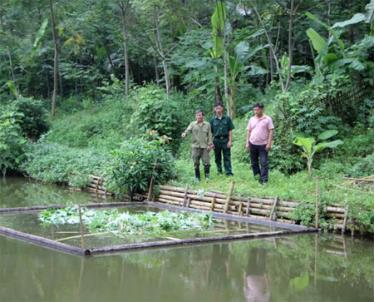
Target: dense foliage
124 78
135 164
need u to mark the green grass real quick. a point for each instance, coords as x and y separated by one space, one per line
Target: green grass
298 187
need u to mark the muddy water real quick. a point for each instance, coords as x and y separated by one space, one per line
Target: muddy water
294 268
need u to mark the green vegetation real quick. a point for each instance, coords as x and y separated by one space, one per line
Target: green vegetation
135 163
123 79
310 147
125 223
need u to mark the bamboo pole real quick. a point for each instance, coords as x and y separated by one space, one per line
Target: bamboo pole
345 219
273 212
231 188
81 225
213 203
317 203
185 196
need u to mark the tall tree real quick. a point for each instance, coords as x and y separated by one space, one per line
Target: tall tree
55 58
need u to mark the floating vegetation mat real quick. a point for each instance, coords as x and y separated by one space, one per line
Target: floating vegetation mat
90 231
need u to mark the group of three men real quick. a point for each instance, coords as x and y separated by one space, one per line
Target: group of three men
217 135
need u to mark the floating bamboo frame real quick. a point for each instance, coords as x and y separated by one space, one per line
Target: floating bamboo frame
287 229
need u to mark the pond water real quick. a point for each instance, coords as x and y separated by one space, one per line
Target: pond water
311 267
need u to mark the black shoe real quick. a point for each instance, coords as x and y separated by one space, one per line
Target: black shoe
229 174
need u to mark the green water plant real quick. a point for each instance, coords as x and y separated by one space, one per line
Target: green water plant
126 223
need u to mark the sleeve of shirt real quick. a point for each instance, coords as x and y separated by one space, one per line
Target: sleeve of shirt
270 124
209 135
212 125
249 125
231 126
188 129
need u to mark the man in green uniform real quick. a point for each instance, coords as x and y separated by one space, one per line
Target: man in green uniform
221 127
201 143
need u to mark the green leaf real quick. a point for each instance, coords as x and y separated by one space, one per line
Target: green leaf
256 70
305 142
324 145
317 20
242 49
357 18
40 32
327 134
317 40
300 68
330 58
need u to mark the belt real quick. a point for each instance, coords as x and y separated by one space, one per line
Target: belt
221 137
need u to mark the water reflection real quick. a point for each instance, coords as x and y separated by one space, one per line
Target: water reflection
282 269
256 287
22 192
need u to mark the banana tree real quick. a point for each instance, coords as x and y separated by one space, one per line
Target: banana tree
310 146
217 50
332 49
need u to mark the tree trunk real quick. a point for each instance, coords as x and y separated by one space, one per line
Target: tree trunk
160 50
232 101
55 60
290 46
12 72
156 70
123 7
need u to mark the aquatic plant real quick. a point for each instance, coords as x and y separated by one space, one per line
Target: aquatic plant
126 223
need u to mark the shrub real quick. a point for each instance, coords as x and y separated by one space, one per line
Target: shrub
134 164
157 112
34 117
12 143
363 167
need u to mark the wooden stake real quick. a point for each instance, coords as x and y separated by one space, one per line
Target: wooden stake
248 207
226 207
345 219
188 202
240 209
213 203
81 225
317 203
185 196
273 210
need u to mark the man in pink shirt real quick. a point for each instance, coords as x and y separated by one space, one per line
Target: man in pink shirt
259 141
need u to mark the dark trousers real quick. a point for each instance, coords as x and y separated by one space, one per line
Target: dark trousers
259 155
222 152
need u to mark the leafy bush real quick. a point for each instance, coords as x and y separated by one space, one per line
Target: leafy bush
157 112
134 164
61 164
33 119
363 167
12 143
